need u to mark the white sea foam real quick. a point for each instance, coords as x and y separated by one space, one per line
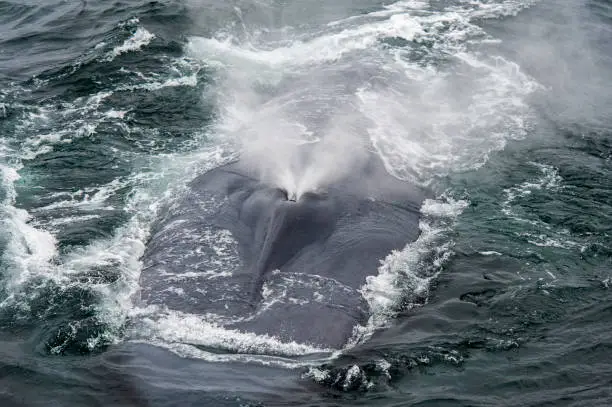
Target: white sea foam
88 199
9 177
77 119
194 352
387 10
403 273
116 114
139 39
544 240
67 220
485 9
81 117
549 180
535 230
28 251
490 253
178 327
326 48
317 374
153 84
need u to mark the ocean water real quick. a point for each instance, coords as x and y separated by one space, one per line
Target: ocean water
501 108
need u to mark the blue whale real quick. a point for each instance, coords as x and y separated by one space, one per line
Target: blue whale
261 261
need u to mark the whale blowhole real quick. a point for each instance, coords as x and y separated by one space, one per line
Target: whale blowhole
290 196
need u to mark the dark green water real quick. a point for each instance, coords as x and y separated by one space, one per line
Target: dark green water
503 109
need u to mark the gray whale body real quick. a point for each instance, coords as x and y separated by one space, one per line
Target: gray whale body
239 250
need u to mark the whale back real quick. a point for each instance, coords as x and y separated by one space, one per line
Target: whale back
238 249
